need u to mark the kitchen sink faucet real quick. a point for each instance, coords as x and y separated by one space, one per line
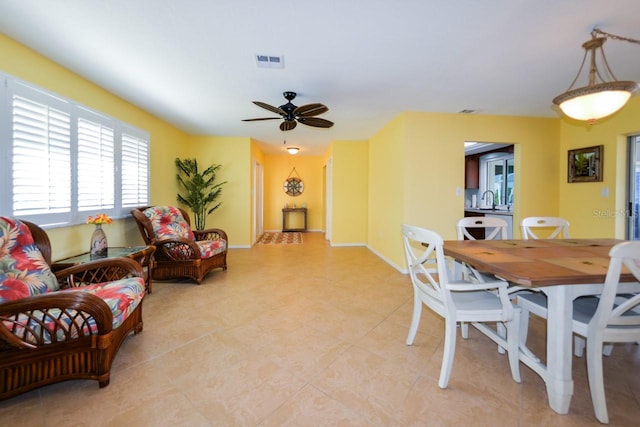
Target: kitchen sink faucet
493 198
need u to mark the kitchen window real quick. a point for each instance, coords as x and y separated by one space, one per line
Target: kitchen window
497 175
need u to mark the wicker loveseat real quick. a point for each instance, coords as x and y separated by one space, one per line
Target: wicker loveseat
180 251
64 325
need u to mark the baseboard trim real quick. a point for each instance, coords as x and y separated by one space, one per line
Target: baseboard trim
388 261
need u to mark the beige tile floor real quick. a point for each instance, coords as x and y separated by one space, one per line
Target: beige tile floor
309 335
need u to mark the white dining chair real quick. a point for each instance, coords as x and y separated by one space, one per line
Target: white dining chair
552 227
456 300
494 228
608 319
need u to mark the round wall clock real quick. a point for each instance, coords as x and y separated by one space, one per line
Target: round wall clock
293 186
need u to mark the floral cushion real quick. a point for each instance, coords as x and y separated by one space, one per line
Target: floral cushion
209 248
23 269
122 297
168 222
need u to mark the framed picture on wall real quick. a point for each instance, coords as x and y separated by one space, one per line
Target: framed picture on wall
585 164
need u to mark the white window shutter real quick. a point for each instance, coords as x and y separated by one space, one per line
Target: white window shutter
96 175
41 158
135 171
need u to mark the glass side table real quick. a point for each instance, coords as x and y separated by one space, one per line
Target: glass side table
142 254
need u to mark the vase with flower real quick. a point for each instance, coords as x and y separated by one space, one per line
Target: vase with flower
99 246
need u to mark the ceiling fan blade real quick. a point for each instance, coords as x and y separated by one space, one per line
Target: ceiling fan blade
310 110
262 118
271 108
288 125
315 122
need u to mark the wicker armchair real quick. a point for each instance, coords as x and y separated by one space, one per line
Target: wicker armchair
180 251
59 332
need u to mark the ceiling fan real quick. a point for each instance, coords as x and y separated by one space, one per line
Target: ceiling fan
293 114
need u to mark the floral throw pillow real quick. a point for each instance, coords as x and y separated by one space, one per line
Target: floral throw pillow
168 222
23 269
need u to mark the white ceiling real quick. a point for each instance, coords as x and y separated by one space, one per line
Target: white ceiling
191 62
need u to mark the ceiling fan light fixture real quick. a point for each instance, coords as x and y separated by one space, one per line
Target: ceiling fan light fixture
601 98
292 114
293 150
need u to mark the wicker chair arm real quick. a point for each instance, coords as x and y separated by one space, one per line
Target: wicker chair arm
57 266
210 234
78 308
176 249
98 271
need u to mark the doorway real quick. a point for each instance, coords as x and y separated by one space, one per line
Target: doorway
258 203
489 167
633 189
490 181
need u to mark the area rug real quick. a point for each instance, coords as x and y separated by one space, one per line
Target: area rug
280 238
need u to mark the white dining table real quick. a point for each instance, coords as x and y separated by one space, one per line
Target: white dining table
563 269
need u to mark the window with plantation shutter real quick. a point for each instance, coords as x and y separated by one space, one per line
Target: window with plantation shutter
135 170
61 161
41 170
96 172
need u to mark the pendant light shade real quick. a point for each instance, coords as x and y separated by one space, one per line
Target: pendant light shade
599 98
290 149
595 102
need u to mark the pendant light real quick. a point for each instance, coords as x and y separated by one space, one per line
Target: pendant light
291 150
599 98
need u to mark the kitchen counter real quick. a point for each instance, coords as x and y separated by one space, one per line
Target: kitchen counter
489 211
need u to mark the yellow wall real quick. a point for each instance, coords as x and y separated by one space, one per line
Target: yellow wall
417 172
326 159
349 191
387 151
590 213
166 141
277 169
234 154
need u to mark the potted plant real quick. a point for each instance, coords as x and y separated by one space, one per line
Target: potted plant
201 189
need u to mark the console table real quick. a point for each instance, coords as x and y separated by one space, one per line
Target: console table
285 214
142 254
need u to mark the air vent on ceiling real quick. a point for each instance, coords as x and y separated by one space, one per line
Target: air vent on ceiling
269 61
